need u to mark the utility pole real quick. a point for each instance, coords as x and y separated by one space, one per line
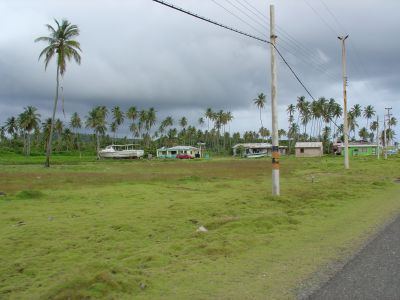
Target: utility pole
384 134
345 125
377 137
274 108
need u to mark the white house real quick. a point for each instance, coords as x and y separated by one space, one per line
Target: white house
172 152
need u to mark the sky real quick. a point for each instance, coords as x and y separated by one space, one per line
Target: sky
140 53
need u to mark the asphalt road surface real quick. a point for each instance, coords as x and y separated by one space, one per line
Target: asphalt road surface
374 273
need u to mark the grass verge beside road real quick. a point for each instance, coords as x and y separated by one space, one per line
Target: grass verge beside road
119 230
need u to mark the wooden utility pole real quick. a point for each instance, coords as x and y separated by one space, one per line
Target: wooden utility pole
274 108
345 121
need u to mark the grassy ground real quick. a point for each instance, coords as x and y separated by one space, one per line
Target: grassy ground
127 229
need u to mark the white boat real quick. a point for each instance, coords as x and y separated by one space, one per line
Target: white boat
121 151
257 155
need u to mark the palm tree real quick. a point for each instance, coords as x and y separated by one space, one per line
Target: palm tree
97 121
132 114
142 121
368 113
363 133
60 44
76 124
209 115
201 121
46 125
58 128
183 122
28 120
118 119
392 121
11 126
260 103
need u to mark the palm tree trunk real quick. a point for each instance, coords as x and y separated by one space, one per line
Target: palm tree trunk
261 119
97 145
29 144
48 151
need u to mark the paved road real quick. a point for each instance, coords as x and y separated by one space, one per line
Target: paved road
374 273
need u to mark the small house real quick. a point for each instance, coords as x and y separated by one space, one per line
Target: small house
249 149
172 152
357 149
309 149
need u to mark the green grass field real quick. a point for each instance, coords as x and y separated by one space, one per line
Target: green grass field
87 229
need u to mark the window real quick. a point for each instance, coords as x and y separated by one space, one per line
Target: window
301 150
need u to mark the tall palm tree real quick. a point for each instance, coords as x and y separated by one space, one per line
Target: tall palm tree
368 113
76 124
28 120
363 133
60 44
132 115
208 114
260 103
46 125
97 121
11 126
118 119
58 128
392 121
201 121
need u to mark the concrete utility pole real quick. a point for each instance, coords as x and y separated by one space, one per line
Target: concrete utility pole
345 123
377 137
274 108
384 136
384 133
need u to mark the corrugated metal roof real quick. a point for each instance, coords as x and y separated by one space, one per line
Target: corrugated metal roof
253 145
308 145
177 148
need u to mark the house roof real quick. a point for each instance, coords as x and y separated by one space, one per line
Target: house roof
253 145
177 148
308 145
357 144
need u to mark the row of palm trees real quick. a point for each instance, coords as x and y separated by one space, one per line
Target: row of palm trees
102 120
308 121
314 120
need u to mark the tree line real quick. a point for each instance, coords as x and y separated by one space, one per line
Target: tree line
317 120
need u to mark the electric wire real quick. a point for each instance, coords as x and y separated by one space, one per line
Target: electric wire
239 32
210 21
236 16
302 52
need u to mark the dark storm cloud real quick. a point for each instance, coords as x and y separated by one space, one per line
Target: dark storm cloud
140 53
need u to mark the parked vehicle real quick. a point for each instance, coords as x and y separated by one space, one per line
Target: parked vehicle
184 156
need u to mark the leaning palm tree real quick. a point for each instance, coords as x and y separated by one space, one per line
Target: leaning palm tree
260 103
60 44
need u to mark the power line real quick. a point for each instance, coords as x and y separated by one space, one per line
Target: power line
210 21
239 32
233 14
321 18
302 52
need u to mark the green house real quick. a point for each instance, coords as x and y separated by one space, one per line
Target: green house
362 149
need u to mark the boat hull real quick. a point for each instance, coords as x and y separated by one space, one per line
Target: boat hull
122 154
